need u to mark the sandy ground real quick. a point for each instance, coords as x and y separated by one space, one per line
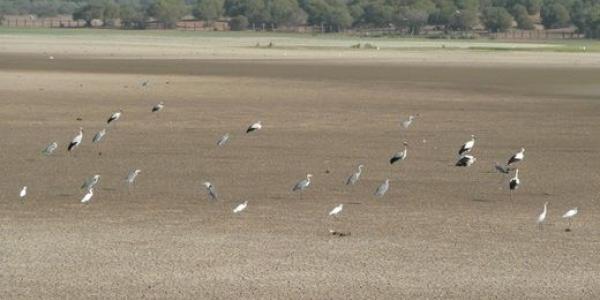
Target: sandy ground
440 231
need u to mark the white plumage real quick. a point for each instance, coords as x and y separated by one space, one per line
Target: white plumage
467 147
130 179
254 127
408 122
212 192
466 161
90 182
23 192
336 210
542 217
158 107
240 207
88 196
519 156
76 140
571 213
115 116
398 156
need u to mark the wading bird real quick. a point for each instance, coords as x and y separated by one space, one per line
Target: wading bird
50 148
352 179
542 217
336 210
88 196
570 215
467 147
514 183
383 188
517 157
466 161
254 127
76 140
90 182
130 179
98 137
223 140
398 156
23 192
408 122
240 207
158 107
212 192
302 185
502 169
115 116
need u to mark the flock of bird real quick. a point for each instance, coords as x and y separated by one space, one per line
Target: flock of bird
465 159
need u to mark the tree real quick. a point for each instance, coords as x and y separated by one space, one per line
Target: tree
132 14
522 17
238 23
463 20
555 15
497 19
286 12
89 12
413 19
209 10
167 12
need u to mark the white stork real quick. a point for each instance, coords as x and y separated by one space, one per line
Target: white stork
467 147
254 127
466 161
76 140
517 157
514 183
115 116
158 107
398 156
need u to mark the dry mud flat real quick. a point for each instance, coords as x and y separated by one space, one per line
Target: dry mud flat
440 231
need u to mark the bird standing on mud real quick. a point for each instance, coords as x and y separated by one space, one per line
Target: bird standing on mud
398 156
466 161
514 183
212 192
517 157
90 182
467 147
240 207
353 179
383 188
76 140
254 127
302 185
115 116
158 107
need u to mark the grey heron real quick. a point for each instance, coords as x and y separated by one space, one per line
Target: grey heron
353 179
383 188
212 192
223 140
408 122
99 135
90 182
302 185
50 149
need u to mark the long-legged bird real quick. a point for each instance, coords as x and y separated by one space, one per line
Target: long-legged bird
467 147
212 192
302 185
353 179
76 140
90 182
517 157
383 188
254 127
240 207
570 215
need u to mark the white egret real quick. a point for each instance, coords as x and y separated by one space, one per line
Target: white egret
88 196
542 217
23 192
353 179
336 210
240 207
570 214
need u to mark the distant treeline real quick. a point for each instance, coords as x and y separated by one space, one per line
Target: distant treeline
407 15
